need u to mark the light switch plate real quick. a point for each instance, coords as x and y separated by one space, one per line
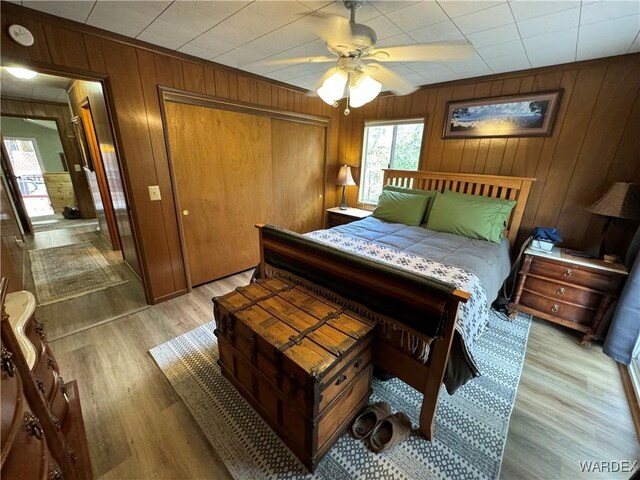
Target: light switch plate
77 167
154 193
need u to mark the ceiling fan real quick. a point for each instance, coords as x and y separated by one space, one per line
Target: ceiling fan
359 74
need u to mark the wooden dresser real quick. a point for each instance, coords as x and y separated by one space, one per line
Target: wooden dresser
571 291
341 217
43 432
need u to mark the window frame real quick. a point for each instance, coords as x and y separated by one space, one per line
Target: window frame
35 148
387 123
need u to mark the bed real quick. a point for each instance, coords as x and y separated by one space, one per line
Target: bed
427 290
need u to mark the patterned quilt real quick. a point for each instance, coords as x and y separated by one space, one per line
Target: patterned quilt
473 316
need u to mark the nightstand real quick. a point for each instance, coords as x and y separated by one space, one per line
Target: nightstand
571 291
342 217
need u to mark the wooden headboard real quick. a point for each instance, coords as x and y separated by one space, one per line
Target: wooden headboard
495 186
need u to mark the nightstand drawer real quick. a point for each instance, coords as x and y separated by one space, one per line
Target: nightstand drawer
556 308
562 292
571 273
337 219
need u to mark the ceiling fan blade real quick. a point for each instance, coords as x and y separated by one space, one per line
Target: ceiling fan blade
297 60
422 53
334 29
390 80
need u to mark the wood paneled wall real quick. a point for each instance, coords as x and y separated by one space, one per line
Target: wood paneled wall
60 112
92 91
595 140
12 253
132 72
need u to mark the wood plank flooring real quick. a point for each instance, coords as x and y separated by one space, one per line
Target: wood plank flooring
63 318
570 404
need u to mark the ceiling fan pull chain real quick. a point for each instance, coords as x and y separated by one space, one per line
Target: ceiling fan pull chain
346 109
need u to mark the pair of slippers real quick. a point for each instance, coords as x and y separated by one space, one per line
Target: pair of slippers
383 429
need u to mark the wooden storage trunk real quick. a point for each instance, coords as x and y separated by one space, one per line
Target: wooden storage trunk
303 362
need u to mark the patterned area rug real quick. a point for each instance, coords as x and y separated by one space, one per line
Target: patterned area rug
471 426
61 273
60 223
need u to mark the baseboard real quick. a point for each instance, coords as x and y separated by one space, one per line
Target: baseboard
634 401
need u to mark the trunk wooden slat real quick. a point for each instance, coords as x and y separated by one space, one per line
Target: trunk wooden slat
302 361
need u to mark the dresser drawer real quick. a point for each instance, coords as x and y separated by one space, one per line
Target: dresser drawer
562 292
571 273
335 219
569 312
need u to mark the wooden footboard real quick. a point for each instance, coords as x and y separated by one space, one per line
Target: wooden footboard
424 308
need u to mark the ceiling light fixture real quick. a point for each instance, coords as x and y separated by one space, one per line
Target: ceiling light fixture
20 72
360 88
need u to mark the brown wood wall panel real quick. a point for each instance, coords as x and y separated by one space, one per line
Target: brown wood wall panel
92 91
133 73
595 141
12 254
62 115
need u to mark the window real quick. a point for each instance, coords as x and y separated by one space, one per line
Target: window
388 145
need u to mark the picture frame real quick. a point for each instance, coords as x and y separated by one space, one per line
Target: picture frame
81 138
520 115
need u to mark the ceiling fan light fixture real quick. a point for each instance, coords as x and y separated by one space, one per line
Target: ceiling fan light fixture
363 91
332 89
23 73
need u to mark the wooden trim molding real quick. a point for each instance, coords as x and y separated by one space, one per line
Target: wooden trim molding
633 399
180 96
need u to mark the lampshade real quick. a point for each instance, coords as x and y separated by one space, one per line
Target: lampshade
363 90
622 200
332 89
344 176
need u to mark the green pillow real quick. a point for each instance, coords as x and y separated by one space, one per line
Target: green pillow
400 207
431 194
481 218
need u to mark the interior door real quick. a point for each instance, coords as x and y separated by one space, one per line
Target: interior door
221 163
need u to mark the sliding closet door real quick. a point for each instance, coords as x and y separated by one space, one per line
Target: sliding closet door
298 154
222 173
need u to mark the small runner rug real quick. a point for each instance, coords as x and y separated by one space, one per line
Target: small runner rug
471 426
61 273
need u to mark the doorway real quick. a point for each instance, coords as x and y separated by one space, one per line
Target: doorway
80 178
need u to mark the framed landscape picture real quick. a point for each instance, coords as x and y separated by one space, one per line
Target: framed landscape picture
523 115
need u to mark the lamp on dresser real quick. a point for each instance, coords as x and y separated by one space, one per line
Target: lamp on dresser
344 179
621 200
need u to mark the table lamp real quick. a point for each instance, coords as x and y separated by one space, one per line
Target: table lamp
344 179
622 200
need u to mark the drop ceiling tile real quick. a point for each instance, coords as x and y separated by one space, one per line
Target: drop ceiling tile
440 76
475 63
440 32
427 67
386 7
458 8
552 48
183 21
201 52
506 63
257 19
415 78
612 37
315 5
525 9
304 70
126 18
78 10
635 47
366 12
383 27
502 49
418 15
485 19
554 22
495 36
608 10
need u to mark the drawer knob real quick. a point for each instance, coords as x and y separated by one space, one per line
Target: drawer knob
555 308
568 272
33 425
341 379
358 363
7 363
560 291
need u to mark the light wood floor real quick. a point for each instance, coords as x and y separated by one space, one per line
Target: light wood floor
570 404
63 318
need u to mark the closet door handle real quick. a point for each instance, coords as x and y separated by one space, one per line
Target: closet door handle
185 212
